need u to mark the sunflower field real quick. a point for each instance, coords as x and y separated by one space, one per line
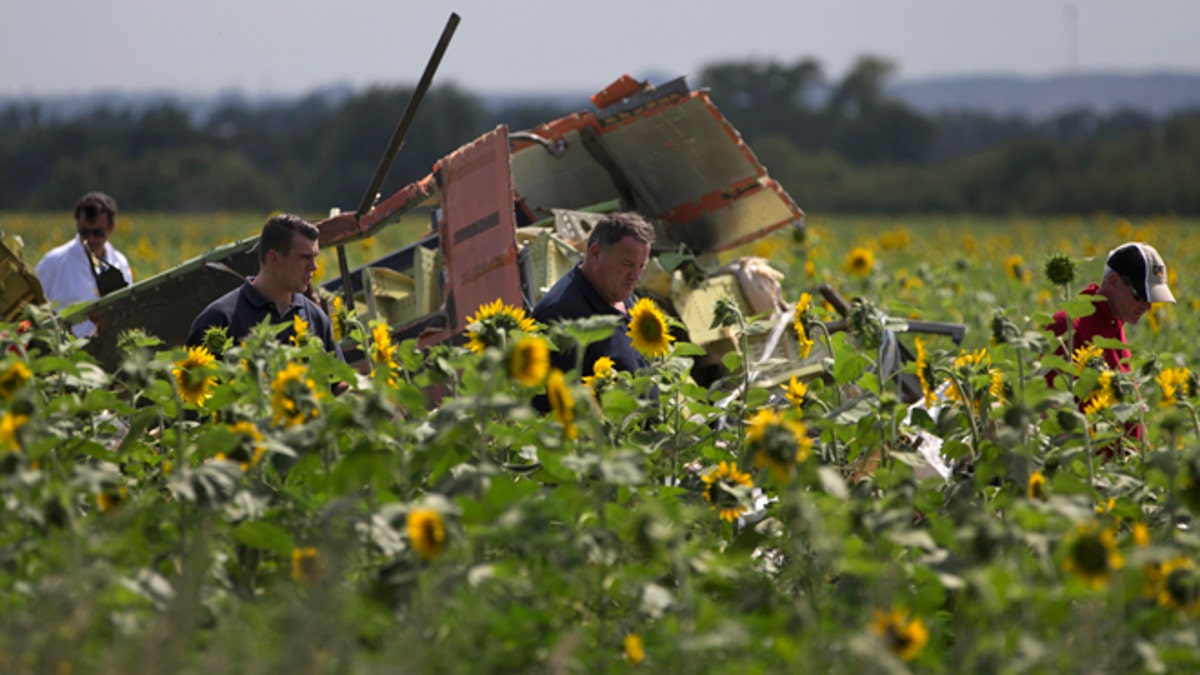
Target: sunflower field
222 509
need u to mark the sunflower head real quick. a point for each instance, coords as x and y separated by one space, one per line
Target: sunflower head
1092 554
1060 269
250 448
299 331
306 565
648 329
904 637
13 378
529 361
195 376
293 396
860 261
216 340
1014 267
10 430
1175 383
426 532
924 373
727 490
1036 488
795 391
562 403
635 651
777 442
383 353
603 372
492 323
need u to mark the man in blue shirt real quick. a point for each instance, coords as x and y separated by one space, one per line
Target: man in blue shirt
618 249
287 257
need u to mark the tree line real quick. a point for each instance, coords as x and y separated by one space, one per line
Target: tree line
839 145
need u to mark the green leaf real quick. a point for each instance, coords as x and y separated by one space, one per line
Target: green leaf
688 349
265 536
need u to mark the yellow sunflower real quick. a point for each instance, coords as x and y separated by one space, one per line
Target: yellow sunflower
10 424
648 329
299 330
291 391
1014 267
250 435
562 403
795 391
860 261
635 651
1174 383
1037 486
426 532
1175 584
338 318
903 636
111 498
194 376
383 352
722 486
799 321
1092 554
13 378
306 565
1141 534
494 319
777 442
1103 396
965 365
1085 355
529 361
924 373
602 371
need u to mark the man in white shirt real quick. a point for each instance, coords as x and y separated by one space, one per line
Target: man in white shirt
87 266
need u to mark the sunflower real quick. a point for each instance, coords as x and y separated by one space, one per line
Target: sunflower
529 361
965 365
1103 396
383 352
13 378
648 329
494 320
562 403
1174 381
1086 355
110 498
799 323
777 442
1141 534
635 651
291 392
299 330
426 532
1092 554
1014 267
306 565
194 377
338 318
904 637
859 261
1037 486
924 372
996 385
10 425
248 434
1175 584
722 489
795 391
602 371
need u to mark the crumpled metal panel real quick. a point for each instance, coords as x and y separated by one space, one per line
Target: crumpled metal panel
666 152
165 304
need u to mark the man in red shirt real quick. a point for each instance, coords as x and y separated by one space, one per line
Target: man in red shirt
1135 276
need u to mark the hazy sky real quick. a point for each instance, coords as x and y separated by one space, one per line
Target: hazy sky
284 48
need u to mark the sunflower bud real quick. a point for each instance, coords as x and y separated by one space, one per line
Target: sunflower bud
1060 269
217 340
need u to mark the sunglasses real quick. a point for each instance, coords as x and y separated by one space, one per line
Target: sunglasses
92 232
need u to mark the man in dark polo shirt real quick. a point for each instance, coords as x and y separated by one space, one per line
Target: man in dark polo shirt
618 249
287 258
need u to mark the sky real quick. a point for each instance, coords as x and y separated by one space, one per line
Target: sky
278 48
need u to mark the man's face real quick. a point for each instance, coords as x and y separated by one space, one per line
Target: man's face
1124 302
94 232
616 272
297 267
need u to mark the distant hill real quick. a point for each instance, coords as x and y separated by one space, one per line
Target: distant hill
1158 94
